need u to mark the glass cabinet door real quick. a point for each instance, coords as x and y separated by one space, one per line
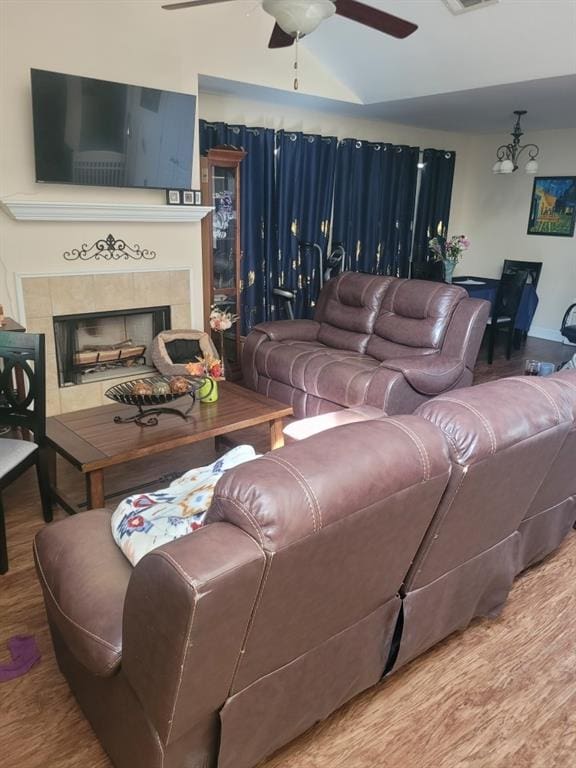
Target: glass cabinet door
220 179
224 223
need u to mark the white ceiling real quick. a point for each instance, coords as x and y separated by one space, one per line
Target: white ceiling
512 41
464 72
551 104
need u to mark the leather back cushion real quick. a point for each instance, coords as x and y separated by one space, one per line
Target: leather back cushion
414 315
504 437
348 308
292 503
560 483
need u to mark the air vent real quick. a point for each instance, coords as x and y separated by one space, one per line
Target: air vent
461 6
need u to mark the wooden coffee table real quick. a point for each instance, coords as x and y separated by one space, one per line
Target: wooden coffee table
91 441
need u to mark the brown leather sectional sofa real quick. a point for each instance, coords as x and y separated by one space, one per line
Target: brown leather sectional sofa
324 566
379 341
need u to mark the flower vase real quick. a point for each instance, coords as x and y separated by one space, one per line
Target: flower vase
449 266
208 392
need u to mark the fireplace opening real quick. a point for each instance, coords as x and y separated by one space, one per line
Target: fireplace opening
105 345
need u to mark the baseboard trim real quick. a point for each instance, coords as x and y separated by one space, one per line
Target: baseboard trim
548 333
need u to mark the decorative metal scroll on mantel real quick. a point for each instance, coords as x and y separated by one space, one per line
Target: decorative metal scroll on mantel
109 249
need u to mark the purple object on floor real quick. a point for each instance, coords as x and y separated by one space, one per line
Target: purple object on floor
24 653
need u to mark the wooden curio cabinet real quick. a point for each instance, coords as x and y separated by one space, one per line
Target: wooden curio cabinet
220 183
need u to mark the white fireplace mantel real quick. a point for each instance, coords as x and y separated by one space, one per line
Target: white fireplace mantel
35 210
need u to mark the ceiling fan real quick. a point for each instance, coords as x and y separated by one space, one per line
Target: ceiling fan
297 18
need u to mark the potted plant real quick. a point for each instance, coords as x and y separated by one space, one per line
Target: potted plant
448 251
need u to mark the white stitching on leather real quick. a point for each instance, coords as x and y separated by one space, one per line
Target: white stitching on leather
546 394
429 373
302 482
293 363
100 640
312 357
288 464
251 622
430 298
433 528
424 457
368 284
181 674
485 422
351 380
246 512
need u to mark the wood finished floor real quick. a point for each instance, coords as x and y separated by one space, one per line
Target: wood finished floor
500 695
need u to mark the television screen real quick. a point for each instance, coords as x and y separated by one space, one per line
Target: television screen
95 132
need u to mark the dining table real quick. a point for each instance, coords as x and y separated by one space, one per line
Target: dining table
487 287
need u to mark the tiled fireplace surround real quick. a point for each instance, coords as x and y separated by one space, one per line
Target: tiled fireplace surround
45 296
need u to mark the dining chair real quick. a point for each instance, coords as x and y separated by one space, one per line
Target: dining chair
533 268
429 270
505 309
22 410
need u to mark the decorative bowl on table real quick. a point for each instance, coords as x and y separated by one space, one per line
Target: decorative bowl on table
151 395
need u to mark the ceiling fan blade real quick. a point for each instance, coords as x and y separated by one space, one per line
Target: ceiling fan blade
191 4
279 38
375 18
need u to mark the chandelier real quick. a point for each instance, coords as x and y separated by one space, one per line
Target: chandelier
509 154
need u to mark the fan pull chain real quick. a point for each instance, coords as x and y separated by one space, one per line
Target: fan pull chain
296 61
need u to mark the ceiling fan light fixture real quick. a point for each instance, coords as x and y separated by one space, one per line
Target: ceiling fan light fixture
299 17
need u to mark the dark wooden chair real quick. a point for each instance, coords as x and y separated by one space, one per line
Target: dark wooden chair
533 268
505 309
22 355
429 270
568 329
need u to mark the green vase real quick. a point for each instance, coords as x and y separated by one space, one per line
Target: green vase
449 267
208 392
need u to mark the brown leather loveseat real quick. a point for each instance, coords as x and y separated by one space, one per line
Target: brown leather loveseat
378 341
324 565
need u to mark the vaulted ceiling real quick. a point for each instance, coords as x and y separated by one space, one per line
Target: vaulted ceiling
459 72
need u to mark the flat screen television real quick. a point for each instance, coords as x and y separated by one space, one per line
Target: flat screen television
99 133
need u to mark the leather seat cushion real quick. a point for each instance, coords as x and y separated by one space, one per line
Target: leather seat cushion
341 376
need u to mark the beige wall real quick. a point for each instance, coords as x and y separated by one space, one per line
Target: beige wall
495 211
131 41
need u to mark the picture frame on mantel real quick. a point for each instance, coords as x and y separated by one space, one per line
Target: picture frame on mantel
191 197
173 196
553 206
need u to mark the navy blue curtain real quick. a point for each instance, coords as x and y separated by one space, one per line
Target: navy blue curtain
305 166
257 217
434 197
374 201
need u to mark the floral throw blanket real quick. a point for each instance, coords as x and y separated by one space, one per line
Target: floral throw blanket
147 520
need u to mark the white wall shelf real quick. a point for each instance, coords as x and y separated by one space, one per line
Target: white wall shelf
35 210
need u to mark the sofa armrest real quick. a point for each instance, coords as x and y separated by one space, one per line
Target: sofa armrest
430 374
294 330
464 334
187 609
